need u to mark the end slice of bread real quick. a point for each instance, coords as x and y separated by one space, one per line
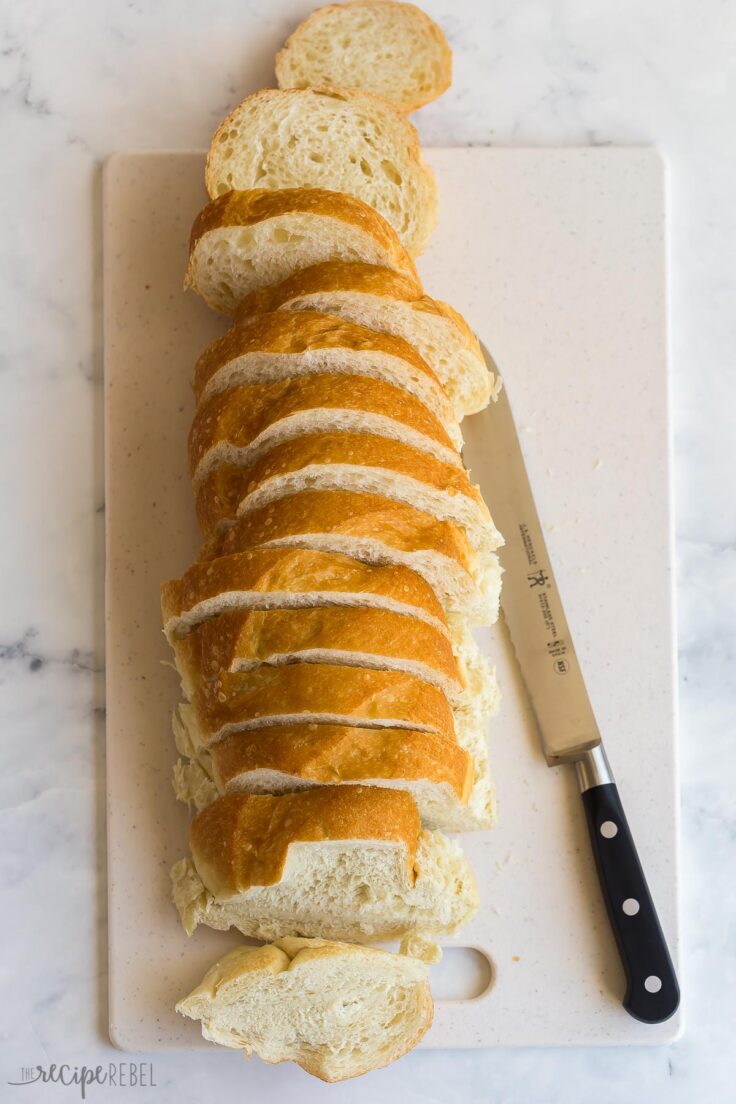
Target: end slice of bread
244 240
393 50
335 1009
339 139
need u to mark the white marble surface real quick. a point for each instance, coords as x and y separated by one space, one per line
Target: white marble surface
80 79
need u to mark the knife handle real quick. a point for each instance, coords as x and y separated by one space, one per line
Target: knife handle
652 993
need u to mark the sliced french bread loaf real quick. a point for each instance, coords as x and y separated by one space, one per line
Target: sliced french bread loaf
346 141
351 862
389 302
335 1009
380 46
337 703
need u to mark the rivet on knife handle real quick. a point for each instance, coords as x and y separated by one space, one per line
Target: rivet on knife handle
652 993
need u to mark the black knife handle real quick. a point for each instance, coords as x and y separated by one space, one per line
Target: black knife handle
652 992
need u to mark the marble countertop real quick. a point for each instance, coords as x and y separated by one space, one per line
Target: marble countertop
81 79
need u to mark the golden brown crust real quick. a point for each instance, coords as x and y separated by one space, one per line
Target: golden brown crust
280 332
332 754
220 494
348 514
360 636
434 31
239 414
245 208
242 840
295 570
359 278
325 277
366 698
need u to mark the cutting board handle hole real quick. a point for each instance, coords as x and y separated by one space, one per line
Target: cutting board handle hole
465 973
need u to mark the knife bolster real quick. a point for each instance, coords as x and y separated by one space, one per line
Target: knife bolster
593 769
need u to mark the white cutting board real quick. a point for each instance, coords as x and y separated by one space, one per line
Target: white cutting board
557 259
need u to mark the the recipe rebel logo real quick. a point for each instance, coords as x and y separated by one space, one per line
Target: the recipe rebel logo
118 1075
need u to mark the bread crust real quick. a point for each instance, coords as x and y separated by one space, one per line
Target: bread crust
239 414
246 208
295 570
352 276
329 276
334 754
364 698
282 332
344 513
242 840
221 493
412 102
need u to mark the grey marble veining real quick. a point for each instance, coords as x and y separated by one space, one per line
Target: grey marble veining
79 80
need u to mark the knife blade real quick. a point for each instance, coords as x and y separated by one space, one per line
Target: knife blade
541 639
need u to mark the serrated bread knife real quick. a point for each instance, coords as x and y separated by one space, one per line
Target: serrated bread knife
533 612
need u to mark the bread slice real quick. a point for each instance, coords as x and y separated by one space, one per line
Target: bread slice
313 693
240 641
374 530
351 462
392 50
335 1009
388 302
450 791
284 758
244 240
239 425
268 578
281 345
347 141
350 862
